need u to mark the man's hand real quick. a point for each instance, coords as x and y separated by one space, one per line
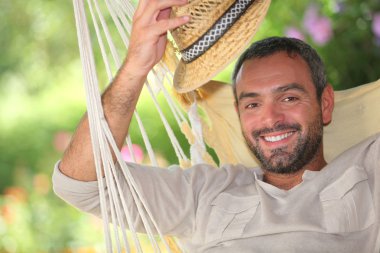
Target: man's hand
148 37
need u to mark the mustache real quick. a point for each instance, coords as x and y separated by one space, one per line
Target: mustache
280 127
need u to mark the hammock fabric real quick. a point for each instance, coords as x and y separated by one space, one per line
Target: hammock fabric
354 119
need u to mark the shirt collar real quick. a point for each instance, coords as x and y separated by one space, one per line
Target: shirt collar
308 175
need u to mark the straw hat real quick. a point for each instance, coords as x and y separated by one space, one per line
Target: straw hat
219 30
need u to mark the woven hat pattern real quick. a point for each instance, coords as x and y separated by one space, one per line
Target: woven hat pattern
191 74
203 14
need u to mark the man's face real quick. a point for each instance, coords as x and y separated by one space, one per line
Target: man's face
281 118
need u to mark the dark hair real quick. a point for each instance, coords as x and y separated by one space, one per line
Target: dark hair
292 46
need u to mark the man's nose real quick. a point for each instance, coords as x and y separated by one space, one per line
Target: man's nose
272 115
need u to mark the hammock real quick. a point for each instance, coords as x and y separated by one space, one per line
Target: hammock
353 117
120 12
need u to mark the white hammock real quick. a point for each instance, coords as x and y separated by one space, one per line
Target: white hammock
121 12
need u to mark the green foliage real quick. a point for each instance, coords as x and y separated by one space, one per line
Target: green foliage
36 43
352 56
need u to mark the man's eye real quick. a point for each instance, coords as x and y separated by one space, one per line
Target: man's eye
251 105
290 99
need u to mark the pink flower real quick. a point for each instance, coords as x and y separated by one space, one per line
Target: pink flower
311 17
136 150
293 32
319 27
376 24
322 31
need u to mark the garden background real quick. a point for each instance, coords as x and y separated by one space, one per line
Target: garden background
42 99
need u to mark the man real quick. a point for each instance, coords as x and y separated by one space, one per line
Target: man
294 203
283 101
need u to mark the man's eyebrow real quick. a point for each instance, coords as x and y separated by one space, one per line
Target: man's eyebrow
283 88
248 95
291 86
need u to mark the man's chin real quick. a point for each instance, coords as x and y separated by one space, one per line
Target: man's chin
280 164
281 169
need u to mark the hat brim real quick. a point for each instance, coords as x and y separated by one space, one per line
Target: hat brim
190 76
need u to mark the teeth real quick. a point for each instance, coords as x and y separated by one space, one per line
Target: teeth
278 137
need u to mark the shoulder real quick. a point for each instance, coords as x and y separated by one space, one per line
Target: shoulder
365 154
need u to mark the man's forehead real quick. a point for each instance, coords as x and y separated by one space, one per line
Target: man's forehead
271 69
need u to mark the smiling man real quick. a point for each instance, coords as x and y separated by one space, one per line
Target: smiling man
283 101
294 202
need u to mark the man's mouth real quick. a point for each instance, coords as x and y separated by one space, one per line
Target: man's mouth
280 137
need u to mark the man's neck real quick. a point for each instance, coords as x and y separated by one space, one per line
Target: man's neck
288 181
283 181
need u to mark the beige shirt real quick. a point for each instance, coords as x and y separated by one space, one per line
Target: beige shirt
230 209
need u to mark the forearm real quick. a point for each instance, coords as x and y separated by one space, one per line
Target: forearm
119 101
147 45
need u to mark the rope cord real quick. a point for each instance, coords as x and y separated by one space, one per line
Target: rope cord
86 56
169 77
112 194
177 148
118 63
113 203
123 23
146 140
95 113
177 113
100 41
108 37
130 148
117 24
137 196
198 148
119 195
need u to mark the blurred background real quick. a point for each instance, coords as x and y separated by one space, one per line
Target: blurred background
42 99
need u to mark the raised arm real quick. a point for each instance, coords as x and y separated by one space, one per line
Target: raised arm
147 44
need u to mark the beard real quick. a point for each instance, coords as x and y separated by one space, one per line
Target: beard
284 161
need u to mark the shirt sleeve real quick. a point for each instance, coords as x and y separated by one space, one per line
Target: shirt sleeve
82 195
172 194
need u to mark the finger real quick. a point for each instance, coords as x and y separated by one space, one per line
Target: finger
154 8
165 25
170 24
153 32
170 3
140 6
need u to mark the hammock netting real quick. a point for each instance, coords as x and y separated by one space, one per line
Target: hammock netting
109 34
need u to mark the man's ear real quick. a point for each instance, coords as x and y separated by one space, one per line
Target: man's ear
327 104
